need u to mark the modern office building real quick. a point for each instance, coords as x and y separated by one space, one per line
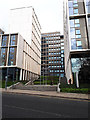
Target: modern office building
77 40
20 50
52 54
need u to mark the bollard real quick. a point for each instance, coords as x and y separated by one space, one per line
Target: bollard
58 88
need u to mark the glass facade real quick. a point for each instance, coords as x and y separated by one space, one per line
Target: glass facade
53 44
13 40
13 74
88 6
74 7
4 41
12 56
82 66
76 34
3 56
6 47
77 40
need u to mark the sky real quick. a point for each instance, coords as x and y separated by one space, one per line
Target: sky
49 13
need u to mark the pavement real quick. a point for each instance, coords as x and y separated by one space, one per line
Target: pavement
49 94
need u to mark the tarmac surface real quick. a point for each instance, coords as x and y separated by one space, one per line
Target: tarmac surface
49 93
35 106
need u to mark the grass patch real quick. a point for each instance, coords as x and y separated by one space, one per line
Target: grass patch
84 88
9 83
48 82
76 90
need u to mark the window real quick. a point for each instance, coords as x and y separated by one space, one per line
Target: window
75 5
77 25
62 75
72 32
4 41
61 59
71 23
12 55
78 36
62 40
57 74
70 4
88 6
3 56
76 20
13 40
62 55
62 47
79 43
77 31
70 11
73 44
62 51
75 11
75 1
62 43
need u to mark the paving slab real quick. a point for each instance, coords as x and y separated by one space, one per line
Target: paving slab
49 93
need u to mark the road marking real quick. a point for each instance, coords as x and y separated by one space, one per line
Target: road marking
59 115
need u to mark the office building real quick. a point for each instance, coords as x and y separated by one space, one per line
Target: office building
20 50
77 40
52 54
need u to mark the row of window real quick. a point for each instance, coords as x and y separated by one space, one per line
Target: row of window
56 61
5 40
50 34
56 67
56 57
47 38
62 74
55 53
53 49
73 7
54 41
11 59
57 45
56 70
75 34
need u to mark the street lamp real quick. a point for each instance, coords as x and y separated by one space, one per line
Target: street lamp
40 75
43 73
6 79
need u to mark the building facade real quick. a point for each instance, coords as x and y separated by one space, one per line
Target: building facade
52 54
77 40
21 49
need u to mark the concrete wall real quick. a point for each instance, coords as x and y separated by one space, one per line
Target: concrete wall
19 56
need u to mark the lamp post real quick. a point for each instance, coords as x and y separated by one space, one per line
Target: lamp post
43 73
40 75
6 79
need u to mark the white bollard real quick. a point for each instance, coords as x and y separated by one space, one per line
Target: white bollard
58 88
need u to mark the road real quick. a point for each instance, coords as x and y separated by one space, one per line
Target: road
27 106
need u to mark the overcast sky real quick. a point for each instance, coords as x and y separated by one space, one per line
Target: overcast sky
49 12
